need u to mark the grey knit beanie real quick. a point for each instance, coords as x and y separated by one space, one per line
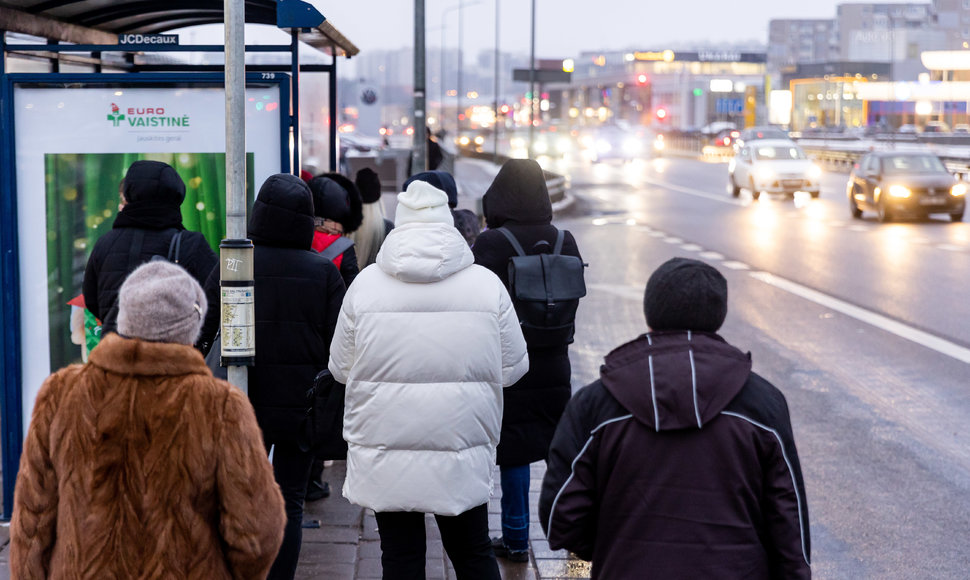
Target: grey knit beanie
685 294
161 302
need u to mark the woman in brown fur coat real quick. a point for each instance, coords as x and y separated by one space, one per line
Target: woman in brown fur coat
139 464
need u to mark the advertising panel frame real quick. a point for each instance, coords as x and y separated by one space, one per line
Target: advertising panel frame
11 343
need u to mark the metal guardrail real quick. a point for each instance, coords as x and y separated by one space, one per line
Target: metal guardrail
555 183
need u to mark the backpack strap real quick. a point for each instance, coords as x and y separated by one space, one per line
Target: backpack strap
559 238
337 247
174 247
515 243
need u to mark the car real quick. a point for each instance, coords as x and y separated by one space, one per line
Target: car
898 183
725 138
757 133
613 142
908 129
961 129
773 166
936 127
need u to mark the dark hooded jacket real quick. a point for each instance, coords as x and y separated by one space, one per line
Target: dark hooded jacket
519 201
153 193
678 463
297 298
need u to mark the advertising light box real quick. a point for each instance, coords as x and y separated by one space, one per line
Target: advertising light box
73 145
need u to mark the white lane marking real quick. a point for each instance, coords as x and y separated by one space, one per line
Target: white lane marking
691 248
712 256
673 240
871 318
949 247
736 265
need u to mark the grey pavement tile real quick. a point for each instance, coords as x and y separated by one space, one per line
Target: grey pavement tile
330 571
369 549
323 552
369 568
336 534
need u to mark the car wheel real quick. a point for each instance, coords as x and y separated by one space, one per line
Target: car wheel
814 194
956 217
882 212
735 189
854 208
755 194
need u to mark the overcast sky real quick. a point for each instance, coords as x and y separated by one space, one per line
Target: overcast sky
566 27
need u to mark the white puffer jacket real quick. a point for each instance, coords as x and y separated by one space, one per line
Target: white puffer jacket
425 342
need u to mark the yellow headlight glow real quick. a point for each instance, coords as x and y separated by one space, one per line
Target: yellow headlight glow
899 191
958 189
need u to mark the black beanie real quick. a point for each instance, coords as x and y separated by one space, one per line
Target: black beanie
336 198
685 294
369 185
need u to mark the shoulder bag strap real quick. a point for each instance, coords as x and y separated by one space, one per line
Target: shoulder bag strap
559 239
515 243
337 247
174 247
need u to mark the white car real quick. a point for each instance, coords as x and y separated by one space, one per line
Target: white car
773 166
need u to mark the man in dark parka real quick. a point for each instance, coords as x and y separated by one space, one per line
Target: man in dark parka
679 462
519 201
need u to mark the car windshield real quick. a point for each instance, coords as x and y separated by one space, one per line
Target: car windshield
769 152
912 164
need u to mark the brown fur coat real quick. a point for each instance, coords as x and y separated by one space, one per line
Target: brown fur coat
139 464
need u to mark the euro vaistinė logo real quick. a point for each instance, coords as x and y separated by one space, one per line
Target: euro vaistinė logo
116 116
146 117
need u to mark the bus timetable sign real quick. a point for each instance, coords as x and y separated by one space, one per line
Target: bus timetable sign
148 39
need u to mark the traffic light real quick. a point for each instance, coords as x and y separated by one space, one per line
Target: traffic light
641 79
661 113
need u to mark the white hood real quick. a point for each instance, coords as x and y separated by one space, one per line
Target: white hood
424 252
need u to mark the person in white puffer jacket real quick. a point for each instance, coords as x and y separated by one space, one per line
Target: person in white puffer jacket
425 342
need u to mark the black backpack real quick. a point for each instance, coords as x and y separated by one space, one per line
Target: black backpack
545 290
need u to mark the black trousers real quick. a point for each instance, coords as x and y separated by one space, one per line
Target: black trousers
291 467
465 539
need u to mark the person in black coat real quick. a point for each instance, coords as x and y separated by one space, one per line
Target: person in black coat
518 200
151 198
297 299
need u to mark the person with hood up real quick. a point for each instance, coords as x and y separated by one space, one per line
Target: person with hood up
151 197
140 464
679 462
518 200
338 210
374 227
297 296
425 343
466 221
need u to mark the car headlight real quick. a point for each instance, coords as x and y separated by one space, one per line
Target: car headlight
541 147
631 146
479 140
464 140
958 189
764 173
899 191
603 146
563 144
814 172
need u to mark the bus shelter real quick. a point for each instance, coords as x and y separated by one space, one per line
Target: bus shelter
119 87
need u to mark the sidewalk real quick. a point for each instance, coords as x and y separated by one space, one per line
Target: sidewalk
346 546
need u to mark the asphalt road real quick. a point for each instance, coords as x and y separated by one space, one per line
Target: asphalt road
862 325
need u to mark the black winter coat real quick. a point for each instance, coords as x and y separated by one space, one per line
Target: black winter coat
297 298
154 193
678 463
519 201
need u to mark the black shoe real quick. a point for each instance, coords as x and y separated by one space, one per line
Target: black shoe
317 490
502 551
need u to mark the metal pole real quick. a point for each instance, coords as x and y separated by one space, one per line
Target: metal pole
334 149
236 252
458 96
295 98
420 144
532 81
441 74
496 132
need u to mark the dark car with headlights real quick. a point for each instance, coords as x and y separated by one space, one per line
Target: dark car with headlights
900 183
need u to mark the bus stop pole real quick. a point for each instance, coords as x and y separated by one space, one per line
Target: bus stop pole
236 251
